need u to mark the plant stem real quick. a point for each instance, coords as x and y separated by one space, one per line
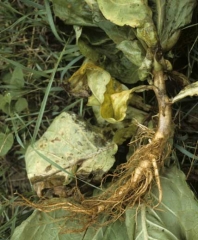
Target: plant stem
164 104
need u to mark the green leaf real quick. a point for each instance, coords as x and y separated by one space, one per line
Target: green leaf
175 218
125 12
170 220
169 17
95 36
21 105
114 61
17 78
133 50
122 69
116 33
68 142
95 44
136 14
7 98
44 226
146 66
6 78
190 90
3 101
6 142
37 74
88 51
73 12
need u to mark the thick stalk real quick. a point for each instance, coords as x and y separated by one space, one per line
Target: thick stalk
164 104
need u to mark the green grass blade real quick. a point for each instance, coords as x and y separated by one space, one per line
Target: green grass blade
185 152
69 66
17 64
51 22
43 104
32 4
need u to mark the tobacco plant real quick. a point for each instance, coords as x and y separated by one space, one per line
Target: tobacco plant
126 45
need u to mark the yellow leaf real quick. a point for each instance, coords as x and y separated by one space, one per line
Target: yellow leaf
109 94
114 107
92 101
77 84
98 79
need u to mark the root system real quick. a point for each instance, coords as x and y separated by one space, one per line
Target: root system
132 180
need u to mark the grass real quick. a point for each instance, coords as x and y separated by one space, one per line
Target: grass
46 55
33 41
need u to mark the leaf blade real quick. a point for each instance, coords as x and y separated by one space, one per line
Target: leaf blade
6 142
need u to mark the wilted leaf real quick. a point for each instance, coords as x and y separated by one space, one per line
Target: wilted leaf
190 90
113 60
89 77
6 142
109 94
77 84
68 142
114 107
21 105
103 88
98 79
175 218
125 129
179 78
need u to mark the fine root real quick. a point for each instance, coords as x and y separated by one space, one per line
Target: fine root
132 181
